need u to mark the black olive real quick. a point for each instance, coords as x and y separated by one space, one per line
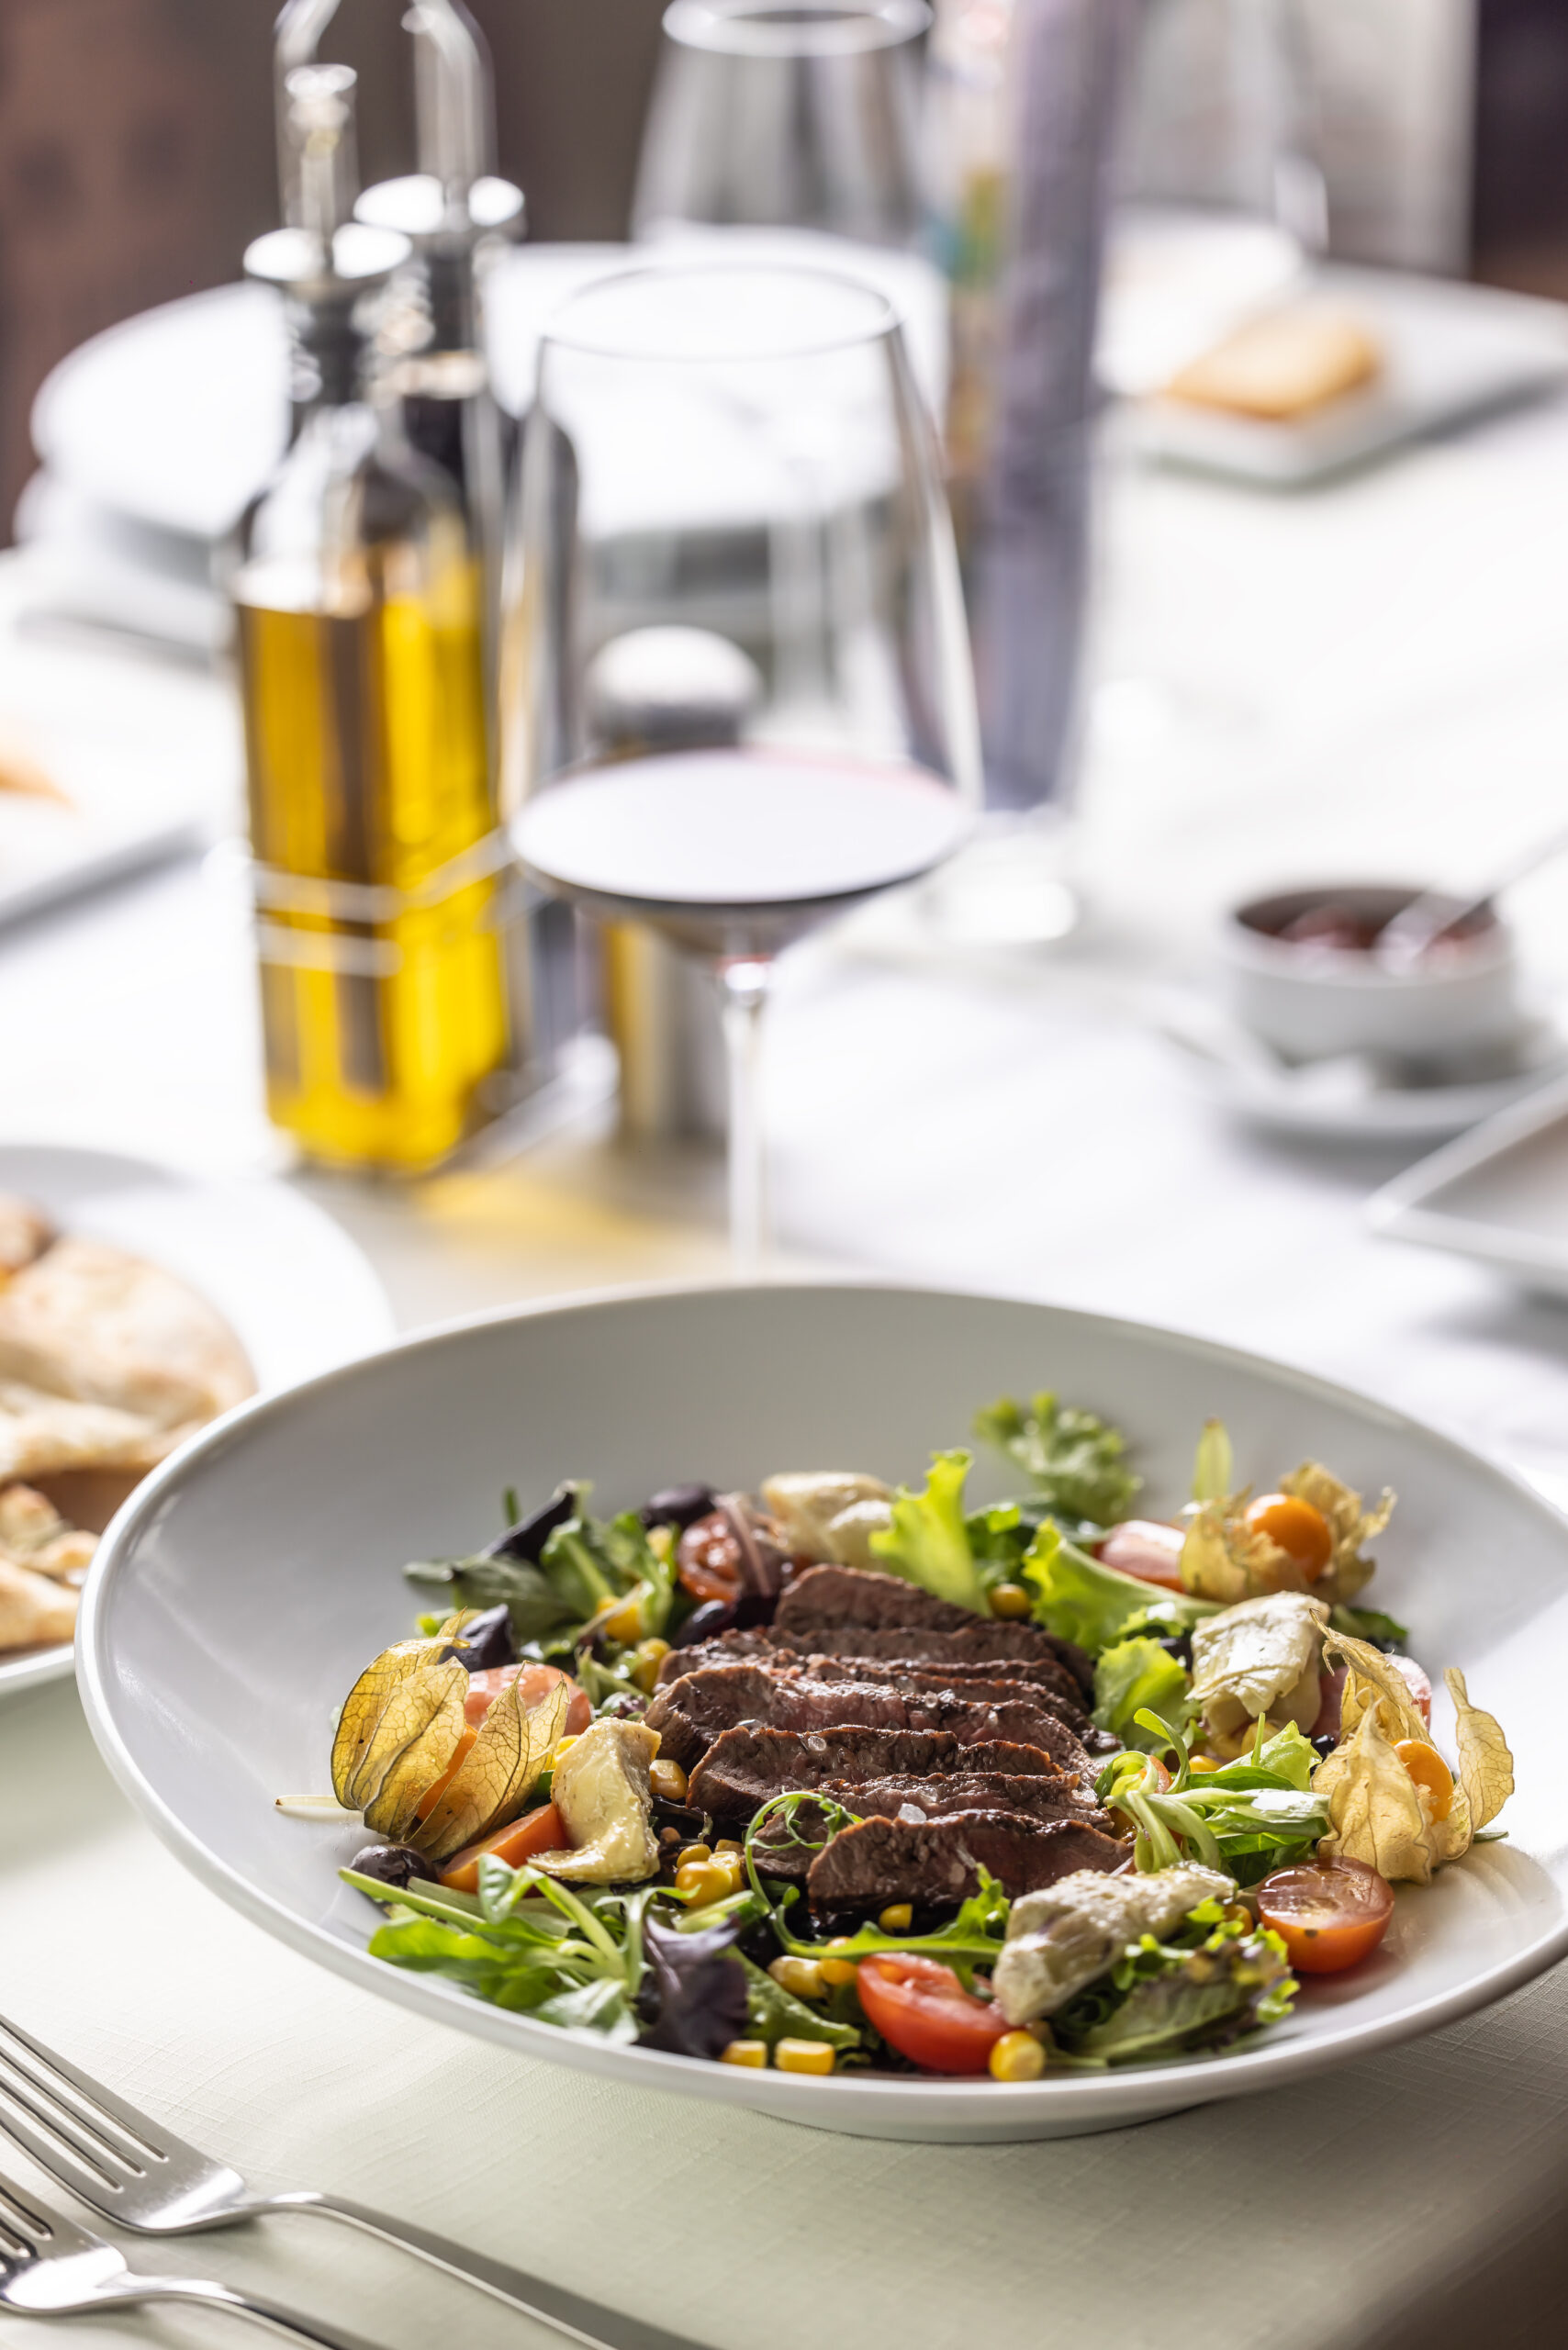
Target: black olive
1179 1646
704 1623
754 1607
527 1538
395 1864
486 1642
625 1705
1325 1745
679 1505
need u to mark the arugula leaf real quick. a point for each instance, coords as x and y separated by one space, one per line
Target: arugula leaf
1079 1600
529 1598
1368 1624
1073 1459
774 2014
928 1540
1134 1674
972 1938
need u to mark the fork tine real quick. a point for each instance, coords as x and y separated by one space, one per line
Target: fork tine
97 2184
86 2102
36 2231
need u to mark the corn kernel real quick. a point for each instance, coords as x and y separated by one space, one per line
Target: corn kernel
624 1622
727 1844
730 1868
838 1971
803 2056
693 1852
702 1881
668 1780
745 2052
1202 1763
803 1976
1010 1599
650 1655
897 1918
1017 2057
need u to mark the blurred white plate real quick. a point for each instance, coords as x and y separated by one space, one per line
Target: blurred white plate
1450 351
110 824
208 1703
292 1285
176 418
1499 1194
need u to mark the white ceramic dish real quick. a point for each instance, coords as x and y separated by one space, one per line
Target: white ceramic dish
244 1586
1450 353
289 1281
1312 1002
1499 1194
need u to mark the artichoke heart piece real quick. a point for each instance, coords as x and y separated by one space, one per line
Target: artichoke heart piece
1060 1939
829 1515
600 1789
497 1775
1260 1658
373 1727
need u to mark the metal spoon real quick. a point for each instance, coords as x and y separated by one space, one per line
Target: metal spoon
1405 938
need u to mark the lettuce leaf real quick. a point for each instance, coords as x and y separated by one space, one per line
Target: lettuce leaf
928 1540
774 2014
1079 1600
1134 1674
1074 1461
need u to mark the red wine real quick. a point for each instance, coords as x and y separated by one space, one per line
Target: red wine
738 851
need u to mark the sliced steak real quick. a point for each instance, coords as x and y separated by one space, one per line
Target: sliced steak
788 1850
879 1860
690 1713
854 1595
980 1683
836 1605
756 1647
1043 1675
745 1768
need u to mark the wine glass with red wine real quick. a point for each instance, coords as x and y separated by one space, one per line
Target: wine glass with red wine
736 696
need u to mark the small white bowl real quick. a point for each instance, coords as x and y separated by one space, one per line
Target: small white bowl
1312 1000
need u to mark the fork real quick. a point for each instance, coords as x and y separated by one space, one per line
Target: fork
50 2267
142 2177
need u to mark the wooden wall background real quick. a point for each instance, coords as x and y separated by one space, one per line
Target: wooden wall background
137 155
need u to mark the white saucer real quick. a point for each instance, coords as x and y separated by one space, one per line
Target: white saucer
1348 1098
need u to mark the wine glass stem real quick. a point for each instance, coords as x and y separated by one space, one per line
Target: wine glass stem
742 991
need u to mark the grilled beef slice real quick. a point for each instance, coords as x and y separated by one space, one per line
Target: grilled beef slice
880 1861
787 1849
837 1665
829 1605
690 1713
744 1768
979 1685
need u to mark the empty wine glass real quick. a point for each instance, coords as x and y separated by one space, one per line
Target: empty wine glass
730 493
802 117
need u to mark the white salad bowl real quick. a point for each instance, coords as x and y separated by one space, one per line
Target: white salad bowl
248 1581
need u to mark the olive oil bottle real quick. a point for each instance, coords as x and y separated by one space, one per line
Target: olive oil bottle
382 881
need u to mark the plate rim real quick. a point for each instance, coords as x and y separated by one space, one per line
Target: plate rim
36 1669
1074 2103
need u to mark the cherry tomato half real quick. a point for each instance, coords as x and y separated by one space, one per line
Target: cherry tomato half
1329 1914
1142 1547
923 2011
1294 1526
537 1680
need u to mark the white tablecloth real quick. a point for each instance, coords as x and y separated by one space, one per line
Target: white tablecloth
1373 678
